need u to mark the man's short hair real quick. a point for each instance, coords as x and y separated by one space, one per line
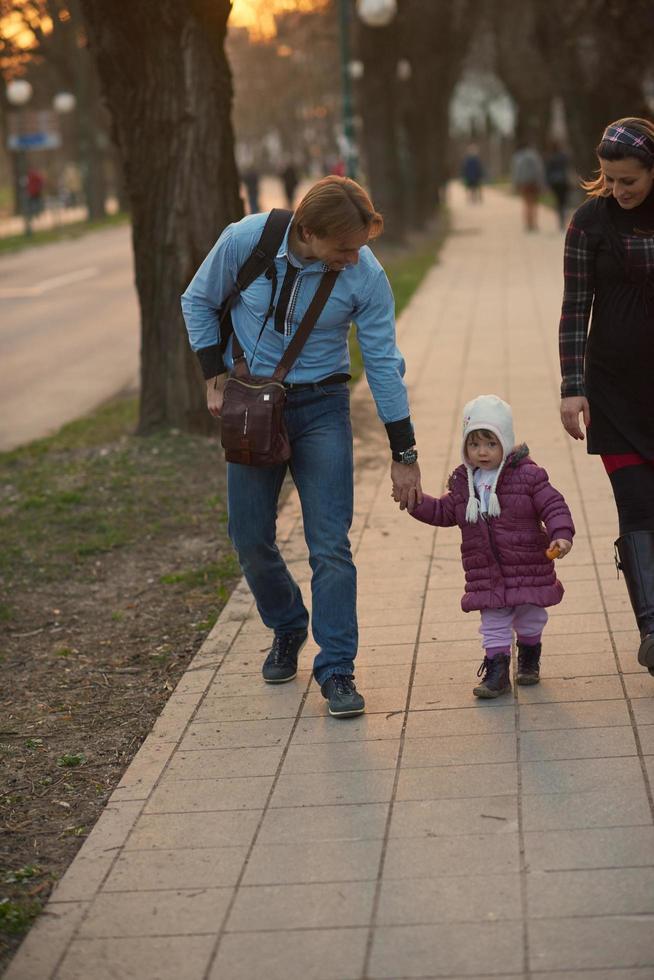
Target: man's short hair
337 206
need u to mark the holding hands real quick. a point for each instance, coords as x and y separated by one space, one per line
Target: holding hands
407 491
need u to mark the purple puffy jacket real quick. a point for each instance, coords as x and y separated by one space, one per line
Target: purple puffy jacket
504 557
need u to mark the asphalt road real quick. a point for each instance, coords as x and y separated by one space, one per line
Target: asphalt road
69 332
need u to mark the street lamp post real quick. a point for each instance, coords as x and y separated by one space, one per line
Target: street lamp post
373 13
346 88
19 92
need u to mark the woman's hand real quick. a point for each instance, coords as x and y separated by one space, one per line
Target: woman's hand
215 389
570 409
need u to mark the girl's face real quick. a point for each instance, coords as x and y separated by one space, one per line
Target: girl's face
483 452
628 180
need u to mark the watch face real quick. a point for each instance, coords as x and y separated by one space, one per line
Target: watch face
409 456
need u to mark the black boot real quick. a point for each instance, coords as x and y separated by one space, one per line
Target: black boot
496 678
528 664
636 553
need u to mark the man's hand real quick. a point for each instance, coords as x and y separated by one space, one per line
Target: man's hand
407 490
215 389
570 409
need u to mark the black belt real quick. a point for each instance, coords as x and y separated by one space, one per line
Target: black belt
333 379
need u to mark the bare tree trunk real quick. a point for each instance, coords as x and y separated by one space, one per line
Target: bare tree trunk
435 38
378 49
168 87
522 66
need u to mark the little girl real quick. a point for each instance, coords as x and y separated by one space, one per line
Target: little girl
501 499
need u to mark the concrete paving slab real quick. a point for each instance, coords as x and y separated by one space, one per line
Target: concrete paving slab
361 821
613 847
611 891
160 913
455 749
607 807
144 958
466 854
303 862
474 898
220 763
483 719
324 954
452 781
308 906
577 743
342 757
564 944
569 715
445 817
415 951
186 868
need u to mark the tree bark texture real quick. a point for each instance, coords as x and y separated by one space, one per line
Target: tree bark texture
435 38
523 66
168 87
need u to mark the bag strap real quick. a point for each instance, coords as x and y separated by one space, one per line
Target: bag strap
291 353
309 319
260 260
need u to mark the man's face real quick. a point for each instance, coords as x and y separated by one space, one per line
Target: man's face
336 252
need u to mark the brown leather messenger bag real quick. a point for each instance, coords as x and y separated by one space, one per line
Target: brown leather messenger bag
253 430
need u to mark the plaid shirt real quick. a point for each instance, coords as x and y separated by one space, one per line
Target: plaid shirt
579 258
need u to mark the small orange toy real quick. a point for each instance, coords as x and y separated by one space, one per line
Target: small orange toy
553 552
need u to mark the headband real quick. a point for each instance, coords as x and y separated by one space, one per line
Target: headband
629 137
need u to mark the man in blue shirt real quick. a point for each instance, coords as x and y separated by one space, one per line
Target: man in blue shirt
330 229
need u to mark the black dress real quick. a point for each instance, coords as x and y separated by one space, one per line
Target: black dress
609 267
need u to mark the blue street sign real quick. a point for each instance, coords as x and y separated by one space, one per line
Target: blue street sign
34 141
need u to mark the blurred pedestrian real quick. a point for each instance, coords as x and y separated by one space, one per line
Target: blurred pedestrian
290 180
607 374
251 184
35 187
557 167
472 173
328 233
528 177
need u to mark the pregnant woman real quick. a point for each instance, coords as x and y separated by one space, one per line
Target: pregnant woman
608 371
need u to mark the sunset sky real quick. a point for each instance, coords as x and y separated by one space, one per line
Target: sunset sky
258 15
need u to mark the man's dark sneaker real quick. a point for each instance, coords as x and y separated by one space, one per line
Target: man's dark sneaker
281 663
496 678
344 700
528 664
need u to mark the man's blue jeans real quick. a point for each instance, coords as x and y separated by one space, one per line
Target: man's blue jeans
318 421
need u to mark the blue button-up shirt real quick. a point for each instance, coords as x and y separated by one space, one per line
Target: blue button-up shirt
362 293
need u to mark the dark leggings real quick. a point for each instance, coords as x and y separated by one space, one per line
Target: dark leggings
633 489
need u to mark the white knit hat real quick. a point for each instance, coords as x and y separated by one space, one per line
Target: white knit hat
491 413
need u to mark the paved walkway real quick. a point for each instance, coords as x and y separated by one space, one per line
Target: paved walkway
437 836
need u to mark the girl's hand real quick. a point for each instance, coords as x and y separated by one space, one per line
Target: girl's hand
570 410
562 545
